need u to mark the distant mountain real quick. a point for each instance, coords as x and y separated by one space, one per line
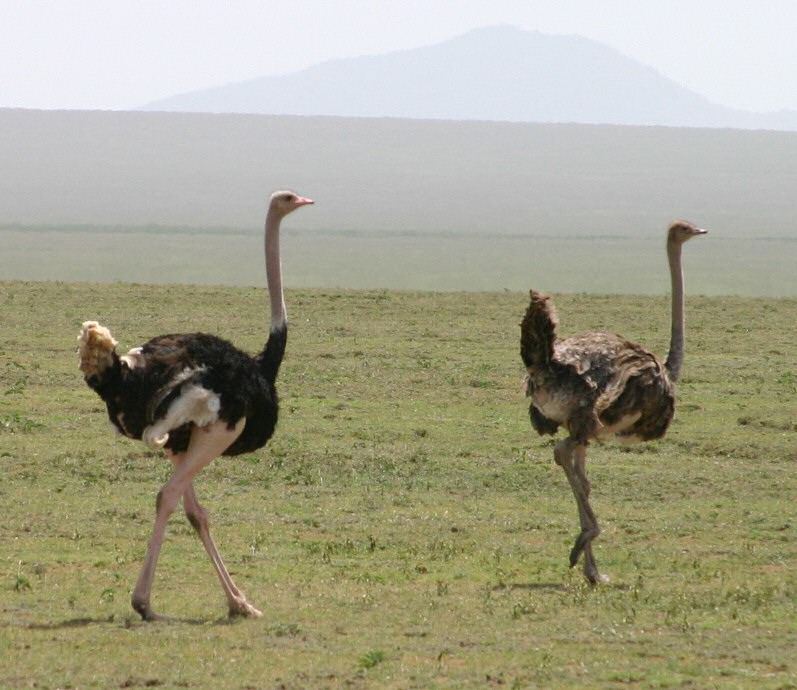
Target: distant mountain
496 73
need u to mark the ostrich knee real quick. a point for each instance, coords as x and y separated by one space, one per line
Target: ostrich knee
166 501
199 518
562 454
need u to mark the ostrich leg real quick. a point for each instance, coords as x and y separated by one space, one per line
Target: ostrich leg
198 517
572 457
206 445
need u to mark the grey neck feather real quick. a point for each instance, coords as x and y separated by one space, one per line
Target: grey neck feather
675 357
279 316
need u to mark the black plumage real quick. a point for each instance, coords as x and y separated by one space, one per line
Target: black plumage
139 389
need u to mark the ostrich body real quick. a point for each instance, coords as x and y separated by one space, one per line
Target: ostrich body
598 386
199 397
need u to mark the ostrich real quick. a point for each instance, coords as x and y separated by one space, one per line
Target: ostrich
199 397
599 385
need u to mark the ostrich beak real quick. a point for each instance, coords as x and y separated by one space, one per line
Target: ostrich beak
303 201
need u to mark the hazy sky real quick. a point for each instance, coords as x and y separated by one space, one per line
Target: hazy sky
118 54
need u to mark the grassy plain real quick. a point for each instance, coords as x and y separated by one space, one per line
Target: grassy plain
401 204
400 261
404 528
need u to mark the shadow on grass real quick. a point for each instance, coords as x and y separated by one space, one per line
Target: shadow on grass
127 622
531 586
556 586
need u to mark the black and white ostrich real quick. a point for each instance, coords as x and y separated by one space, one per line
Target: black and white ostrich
600 385
199 397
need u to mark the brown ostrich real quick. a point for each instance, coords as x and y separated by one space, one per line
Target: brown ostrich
199 397
599 385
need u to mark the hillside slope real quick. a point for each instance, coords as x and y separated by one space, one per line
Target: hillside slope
389 175
496 73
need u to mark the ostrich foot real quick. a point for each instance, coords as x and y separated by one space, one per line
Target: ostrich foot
241 608
583 546
595 578
144 610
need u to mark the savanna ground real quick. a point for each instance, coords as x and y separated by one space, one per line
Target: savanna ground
404 528
400 261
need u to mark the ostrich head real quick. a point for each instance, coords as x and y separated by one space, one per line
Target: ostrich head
681 231
285 201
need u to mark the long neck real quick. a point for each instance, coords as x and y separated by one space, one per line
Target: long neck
271 357
675 357
279 315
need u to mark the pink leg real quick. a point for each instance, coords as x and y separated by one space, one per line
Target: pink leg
206 445
198 517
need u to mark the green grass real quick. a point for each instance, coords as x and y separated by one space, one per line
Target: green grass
404 528
717 265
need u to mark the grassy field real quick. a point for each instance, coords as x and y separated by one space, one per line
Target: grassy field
404 528
401 204
718 265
